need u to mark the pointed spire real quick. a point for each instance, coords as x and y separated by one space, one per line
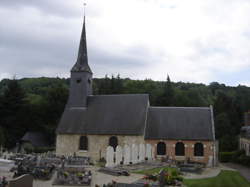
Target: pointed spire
82 59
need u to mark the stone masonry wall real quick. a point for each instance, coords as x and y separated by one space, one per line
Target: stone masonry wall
209 147
97 144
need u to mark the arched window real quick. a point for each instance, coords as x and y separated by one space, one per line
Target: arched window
83 144
161 148
198 149
113 141
179 149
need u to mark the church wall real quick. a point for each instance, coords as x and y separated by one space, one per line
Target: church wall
209 147
97 144
245 145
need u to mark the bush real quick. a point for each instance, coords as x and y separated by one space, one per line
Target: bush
237 155
226 156
244 160
43 149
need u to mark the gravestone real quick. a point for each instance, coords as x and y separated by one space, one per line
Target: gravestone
109 157
134 154
153 151
149 151
22 181
141 152
118 155
127 155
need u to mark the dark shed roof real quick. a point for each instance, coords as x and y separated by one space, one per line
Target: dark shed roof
36 139
107 114
182 123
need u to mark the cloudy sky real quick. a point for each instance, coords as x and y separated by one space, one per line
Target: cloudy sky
192 41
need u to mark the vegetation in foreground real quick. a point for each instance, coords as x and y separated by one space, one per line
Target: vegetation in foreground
224 179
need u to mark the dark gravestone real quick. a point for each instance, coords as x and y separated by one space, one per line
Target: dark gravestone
22 181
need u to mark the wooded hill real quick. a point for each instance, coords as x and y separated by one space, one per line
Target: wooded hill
36 104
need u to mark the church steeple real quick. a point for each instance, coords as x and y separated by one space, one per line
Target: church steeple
82 59
81 76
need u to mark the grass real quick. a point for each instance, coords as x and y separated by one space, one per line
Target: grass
224 179
154 170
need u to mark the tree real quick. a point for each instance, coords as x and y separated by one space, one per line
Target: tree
2 137
12 110
167 96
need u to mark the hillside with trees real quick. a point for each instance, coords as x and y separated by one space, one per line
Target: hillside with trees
36 104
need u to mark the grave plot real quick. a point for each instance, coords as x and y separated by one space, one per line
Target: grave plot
77 161
73 177
35 166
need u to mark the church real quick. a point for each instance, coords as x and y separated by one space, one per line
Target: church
90 123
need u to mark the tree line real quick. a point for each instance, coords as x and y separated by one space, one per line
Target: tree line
36 104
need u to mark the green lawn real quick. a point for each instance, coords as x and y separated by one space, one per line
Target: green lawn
155 170
224 179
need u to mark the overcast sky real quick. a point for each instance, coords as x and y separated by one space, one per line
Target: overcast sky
192 41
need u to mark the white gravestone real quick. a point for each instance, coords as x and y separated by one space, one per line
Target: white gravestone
141 153
110 157
149 151
127 155
153 152
118 155
134 153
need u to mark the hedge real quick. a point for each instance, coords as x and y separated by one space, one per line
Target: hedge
236 156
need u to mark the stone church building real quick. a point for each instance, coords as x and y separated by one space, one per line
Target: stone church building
90 122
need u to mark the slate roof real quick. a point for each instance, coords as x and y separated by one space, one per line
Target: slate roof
36 139
181 123
82 59
107 114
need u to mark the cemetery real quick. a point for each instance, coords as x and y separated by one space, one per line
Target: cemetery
72 170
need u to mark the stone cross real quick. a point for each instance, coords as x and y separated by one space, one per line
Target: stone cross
134 154
127 155
149 151
109 157
118 155
141 152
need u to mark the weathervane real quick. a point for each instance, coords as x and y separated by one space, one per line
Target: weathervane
84 7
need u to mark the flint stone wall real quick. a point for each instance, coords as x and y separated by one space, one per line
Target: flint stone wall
67 144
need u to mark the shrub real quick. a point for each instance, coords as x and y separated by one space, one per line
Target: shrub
226 156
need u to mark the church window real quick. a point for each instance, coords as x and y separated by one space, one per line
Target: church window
198 149
179 149
78 80
83 144
113 141
161 148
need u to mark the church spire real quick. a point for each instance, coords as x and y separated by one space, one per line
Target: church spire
81 64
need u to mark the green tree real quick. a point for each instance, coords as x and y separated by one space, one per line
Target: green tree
12 109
